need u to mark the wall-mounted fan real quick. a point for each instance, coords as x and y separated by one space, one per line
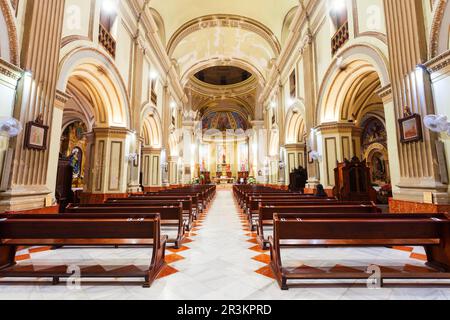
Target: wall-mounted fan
315 155
10 127
437 123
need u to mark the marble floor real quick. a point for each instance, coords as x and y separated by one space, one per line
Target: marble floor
220 260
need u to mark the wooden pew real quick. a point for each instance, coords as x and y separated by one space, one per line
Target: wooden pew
361 230
188 206
266 214
195 203
61 231
198 198
253 204
171 217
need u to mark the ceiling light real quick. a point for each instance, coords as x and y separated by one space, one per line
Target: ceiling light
109 6
153 75
338 6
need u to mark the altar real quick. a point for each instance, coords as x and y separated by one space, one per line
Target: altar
224 180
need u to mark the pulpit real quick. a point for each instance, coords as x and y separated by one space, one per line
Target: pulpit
353 181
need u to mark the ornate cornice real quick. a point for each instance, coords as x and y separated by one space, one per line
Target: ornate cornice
440 62
9 70
384 92
6 10
333 126
439 10
223 20
62 97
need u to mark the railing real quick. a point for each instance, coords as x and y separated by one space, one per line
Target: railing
154 97
340 38
107 41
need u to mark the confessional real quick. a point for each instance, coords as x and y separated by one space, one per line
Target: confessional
298 179
353 181
63 192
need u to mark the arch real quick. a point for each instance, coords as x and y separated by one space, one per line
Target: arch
287 24
159 21
357 60
151 127
274 142
9 43
216 61
102 81
223 38
439 33
223 20
295 124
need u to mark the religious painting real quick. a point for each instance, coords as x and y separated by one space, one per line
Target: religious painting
36 136
411 129
378 167
374 132
73 147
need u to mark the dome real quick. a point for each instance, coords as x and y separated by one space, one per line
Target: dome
224 120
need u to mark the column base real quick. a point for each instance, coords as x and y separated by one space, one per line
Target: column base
26 199
402 206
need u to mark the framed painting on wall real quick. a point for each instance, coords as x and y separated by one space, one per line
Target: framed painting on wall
36 136
411 129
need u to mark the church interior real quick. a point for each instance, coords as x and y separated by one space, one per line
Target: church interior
198 149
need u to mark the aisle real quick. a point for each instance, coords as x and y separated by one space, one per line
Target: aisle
219 260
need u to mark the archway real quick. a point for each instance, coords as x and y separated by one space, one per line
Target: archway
9 44
440 32
96 100
351 117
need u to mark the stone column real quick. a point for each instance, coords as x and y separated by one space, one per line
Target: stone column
108 164
9 78
260 150
151 168
138 78
41 45
166 119
310 109
173 170
295 157
335 143
188 156
411 90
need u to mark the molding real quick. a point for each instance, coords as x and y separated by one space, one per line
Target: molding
438 15
7 11
438 63
223 20
10 70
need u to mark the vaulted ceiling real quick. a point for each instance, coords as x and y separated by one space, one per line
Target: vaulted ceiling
270 13
201 34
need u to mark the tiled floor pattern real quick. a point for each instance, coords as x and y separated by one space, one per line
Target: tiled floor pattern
415 253
221 260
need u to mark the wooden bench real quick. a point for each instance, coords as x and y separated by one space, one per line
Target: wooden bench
194 200
360 230
188 209
198 198
62 231
173 223
266 214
